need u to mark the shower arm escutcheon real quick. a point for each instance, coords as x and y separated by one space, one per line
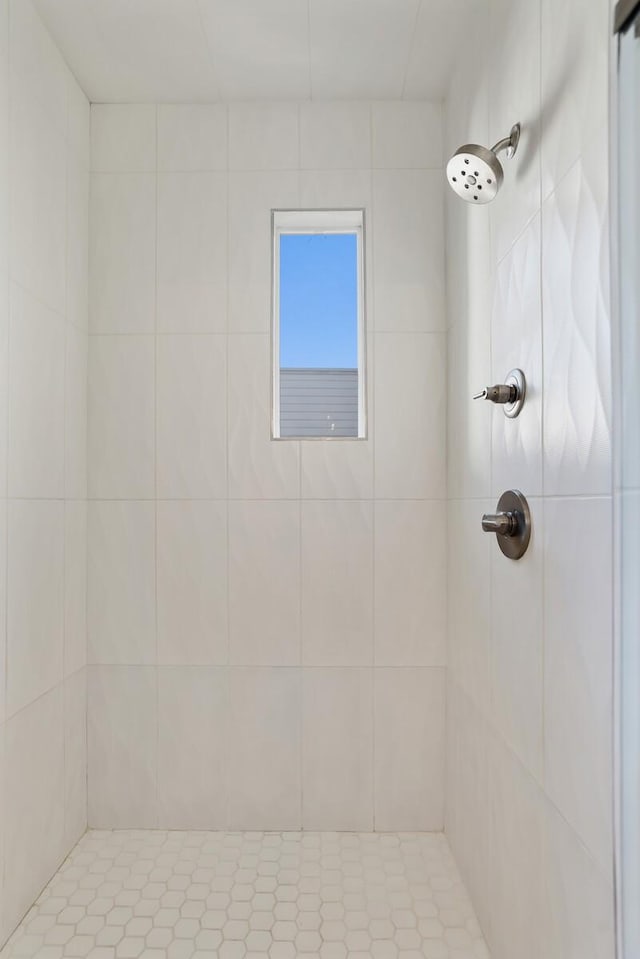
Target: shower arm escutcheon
511 524
510 394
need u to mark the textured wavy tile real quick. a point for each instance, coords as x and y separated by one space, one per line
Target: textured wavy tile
577 376
514 96
575 47
516 341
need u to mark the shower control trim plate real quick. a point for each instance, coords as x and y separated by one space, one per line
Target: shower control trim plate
511 394
511 524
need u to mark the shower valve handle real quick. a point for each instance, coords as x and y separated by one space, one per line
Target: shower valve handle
500 393
504 524
510 394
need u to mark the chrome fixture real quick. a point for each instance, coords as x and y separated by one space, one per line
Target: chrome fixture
475 173
510 394
511 524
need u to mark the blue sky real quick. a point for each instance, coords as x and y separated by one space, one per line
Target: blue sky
318 300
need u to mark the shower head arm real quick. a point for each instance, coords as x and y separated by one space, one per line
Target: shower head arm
510 143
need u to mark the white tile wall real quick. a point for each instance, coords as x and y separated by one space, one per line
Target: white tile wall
337 583
123 138
337 730
35 600
192 252
409 421
34 801
407 236
335 136
36 398
121 443
410 595
191 579
264 583
529 722
123 768
122 582
191 417
122 253
260 586
192 708
263 773
44 209
409 748
252 196
192 137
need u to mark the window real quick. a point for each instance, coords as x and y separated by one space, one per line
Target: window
318 324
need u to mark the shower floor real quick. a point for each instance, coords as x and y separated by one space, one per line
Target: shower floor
177 895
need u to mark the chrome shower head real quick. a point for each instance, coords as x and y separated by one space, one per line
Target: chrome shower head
475 173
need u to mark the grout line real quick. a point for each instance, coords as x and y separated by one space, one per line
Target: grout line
226 775
155 473
7 424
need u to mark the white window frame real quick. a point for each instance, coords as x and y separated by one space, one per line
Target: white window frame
284 222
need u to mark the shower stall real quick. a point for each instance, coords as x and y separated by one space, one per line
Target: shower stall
307 632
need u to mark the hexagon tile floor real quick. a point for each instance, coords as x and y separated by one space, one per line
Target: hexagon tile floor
199 895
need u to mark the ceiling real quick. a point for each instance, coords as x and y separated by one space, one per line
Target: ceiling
203 50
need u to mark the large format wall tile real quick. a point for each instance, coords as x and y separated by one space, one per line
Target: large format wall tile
578 667
192 136
409 749
35 600
252 197
192 252
575 65
516 342
264 583
122 260
335 136
192 708
516 658
122 766
337 583
337 749
75 413
264 748
407 236
410 596
469 598
34 802
75 585
579 895
258 467
38 172
122 582
75 756
36 398
577 374
514 97
263 136
406 135
191 580
121 441
467 793
409 426
516 832
191 417
123 138
78 191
